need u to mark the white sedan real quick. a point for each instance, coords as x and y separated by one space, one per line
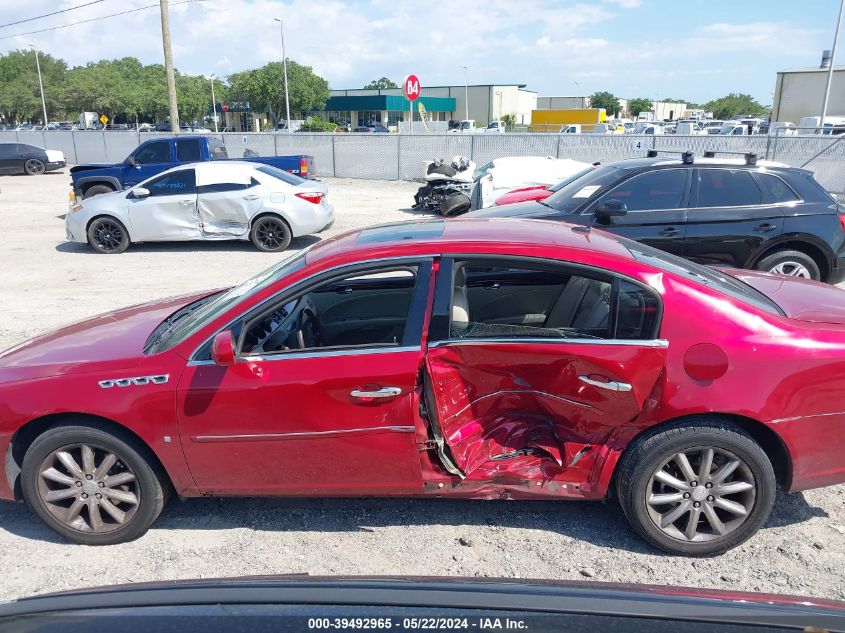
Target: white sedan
228 200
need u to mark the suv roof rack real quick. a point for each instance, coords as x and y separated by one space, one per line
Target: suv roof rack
750 157
686 156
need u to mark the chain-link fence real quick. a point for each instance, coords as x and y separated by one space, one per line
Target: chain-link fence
401 156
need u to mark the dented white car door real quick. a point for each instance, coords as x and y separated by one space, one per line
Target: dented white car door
169 211
227 201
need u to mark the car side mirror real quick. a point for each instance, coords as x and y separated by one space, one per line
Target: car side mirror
610 209
131 161
140 192
223 349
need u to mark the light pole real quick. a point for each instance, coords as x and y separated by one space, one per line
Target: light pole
40 84
213 104
466 93
285 68
830 68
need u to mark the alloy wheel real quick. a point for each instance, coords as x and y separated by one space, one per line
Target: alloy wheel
793 269
701 494
34 167
88 488
270 233
108 235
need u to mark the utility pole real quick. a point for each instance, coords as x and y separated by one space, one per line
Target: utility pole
285 67
213 104
40 85
830 68
466 93
168 66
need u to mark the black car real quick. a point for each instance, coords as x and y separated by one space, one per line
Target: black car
730 212
21 158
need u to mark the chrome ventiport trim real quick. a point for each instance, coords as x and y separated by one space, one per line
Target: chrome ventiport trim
313 353
656 343
158 379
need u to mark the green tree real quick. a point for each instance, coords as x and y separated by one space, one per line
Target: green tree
265 90
639 104
733 105
382 83
20 95
316 124
605 100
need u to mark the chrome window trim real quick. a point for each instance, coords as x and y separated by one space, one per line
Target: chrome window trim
313 353
305 280
655 343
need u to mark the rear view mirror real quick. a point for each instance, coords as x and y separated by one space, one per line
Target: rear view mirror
611 209
140 192
223 349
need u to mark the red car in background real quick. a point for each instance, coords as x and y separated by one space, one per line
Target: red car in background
476 358
538 192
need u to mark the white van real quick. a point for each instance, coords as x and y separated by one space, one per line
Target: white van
570 128
811 124
733 128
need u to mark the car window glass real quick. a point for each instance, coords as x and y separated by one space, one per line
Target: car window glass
156 152
727 188
660 189
369 310
188 150
776 188
279 174
218 187
176 183
8 150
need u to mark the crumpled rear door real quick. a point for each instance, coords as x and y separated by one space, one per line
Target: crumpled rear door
511 408
226 208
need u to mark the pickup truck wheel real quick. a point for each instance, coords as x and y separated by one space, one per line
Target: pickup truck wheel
791 263
270 234
108 235
96 190
33 167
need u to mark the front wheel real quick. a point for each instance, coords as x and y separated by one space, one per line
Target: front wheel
108 235
90 486
270 234
791 263
698 488
34 167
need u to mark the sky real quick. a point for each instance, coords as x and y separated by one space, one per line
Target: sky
696 50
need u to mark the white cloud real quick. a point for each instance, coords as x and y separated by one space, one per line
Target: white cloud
626 4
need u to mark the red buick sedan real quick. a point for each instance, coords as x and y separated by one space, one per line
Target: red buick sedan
472 358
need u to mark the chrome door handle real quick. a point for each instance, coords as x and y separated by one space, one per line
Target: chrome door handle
765 228
185 203
384 392
252 196
611 385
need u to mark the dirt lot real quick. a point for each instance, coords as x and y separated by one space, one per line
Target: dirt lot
45 282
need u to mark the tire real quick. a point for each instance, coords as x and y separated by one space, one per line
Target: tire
96 190
147 486
454 204
792 263
108 235
637 481
33 167
270 234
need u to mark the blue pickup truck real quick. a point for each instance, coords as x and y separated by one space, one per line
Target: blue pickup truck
157 155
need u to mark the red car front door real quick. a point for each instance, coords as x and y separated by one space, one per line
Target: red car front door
520 385
327 420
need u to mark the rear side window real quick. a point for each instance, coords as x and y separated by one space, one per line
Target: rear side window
279 174
661 189
727 188
776 188
188 151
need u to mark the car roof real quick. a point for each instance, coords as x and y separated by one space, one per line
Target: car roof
454 235
639 163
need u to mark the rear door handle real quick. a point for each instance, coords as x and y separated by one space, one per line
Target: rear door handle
670 231
611 385
185 203
252 196
384 392
765 227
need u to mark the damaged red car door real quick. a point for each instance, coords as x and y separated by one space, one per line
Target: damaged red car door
532 365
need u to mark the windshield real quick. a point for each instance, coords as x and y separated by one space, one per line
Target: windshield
178 326
557 187
578 190
279 174
466 125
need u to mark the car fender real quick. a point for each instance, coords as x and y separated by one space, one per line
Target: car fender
123 218
80 183
771 245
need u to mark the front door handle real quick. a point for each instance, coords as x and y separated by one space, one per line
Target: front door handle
765 227
670 231
186 203
252 196
611 385
384 392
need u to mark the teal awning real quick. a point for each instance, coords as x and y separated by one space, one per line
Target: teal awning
393 103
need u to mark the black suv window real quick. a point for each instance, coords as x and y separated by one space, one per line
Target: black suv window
188 150
660 189
177 183
727 188
776 188
156 152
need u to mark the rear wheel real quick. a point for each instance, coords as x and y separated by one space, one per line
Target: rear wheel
108 235
698 488
90 486
270 234
34 167
791 263
96 190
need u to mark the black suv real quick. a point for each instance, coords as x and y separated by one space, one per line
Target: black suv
730 212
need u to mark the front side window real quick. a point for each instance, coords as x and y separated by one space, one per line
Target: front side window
155 152
176 183
188 150
660 189
727 188
548 302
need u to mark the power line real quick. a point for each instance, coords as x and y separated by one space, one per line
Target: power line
47 15
102 17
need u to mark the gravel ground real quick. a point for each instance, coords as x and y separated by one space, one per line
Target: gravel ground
45 282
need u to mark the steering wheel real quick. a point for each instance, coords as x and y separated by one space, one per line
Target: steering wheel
308 329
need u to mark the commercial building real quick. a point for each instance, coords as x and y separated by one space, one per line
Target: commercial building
388 106
799 92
